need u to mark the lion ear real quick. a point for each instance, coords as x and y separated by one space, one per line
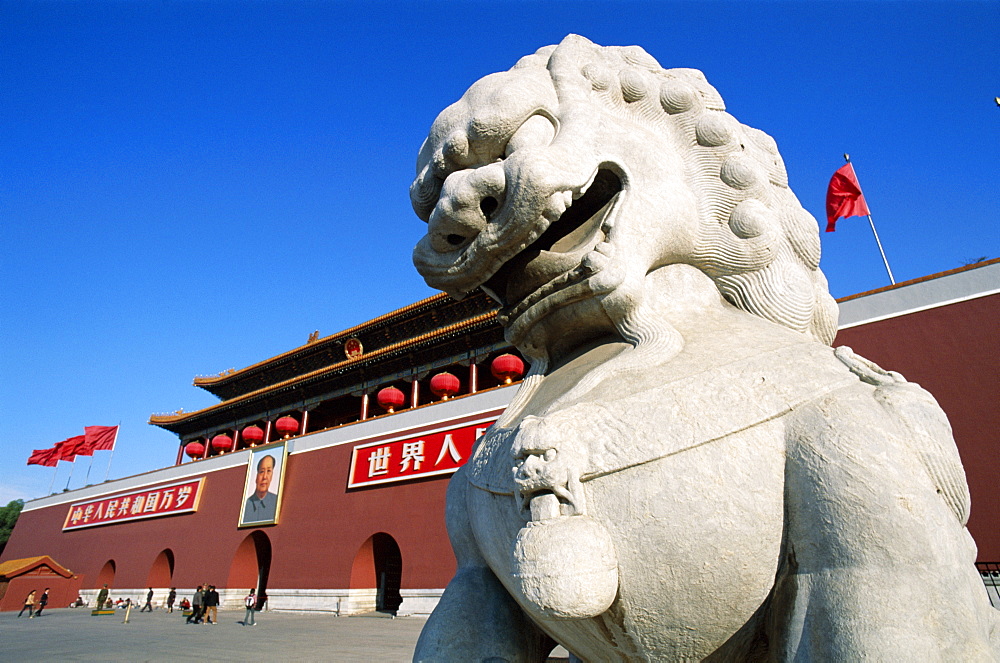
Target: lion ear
566 66
575 41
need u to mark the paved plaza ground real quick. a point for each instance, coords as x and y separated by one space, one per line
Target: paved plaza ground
73 635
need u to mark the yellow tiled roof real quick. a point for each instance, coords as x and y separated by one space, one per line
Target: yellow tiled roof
173 418
347 333
13 567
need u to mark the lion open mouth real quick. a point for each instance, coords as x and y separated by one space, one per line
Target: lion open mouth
560 249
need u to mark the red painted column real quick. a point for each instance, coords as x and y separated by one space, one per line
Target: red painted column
180 454
267 432
364 406
415 393
305 421
473 377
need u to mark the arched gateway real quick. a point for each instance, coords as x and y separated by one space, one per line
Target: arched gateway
377 573
107 575
251 565
161 573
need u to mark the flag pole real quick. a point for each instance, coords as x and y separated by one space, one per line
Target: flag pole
54 473
874 232
113 445
847 158
90 465
71 466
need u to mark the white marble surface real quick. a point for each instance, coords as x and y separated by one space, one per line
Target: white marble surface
338 601
689 470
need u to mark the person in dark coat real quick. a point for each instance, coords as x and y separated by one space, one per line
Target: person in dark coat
149 601
171 597
196 606
211 603
42 602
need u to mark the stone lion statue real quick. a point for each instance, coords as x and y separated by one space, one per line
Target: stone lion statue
689 471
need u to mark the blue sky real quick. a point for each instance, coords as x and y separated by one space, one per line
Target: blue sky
193 186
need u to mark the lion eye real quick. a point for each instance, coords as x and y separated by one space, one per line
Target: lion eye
537 131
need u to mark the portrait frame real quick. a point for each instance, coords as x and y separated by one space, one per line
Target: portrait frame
278 451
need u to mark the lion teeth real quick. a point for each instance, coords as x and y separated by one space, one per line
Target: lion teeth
557 204
582 190
595 261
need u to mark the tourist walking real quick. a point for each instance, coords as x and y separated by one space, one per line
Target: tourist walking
196 603
251 602
211 603
149 601
42 602
170 599
29 605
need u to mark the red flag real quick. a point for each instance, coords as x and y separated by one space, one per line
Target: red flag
85 447
101 438
844 197
45 457
69 448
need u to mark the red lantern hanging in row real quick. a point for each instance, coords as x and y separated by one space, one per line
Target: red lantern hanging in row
507 368
222 443
287 426
253 435
445 385
194 450
390 398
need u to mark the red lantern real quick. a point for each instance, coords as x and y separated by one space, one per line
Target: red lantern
253 435
390 398
507 368
194 449
222 443
445 385
287 426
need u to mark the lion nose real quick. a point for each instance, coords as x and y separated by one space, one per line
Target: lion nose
469 200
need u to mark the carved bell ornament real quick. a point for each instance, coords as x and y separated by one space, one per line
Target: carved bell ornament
565 567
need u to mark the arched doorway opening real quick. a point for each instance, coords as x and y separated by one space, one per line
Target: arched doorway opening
251 565
379 565
107 575
161 574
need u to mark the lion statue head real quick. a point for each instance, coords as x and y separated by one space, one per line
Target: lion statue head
567 180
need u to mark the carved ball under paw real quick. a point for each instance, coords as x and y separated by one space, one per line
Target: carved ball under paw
565 567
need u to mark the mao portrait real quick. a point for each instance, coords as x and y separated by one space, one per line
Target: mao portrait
262 494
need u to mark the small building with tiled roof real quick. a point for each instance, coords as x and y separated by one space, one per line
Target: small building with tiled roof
20 577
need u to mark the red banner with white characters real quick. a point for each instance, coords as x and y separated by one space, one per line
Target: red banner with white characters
440 452
154 502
